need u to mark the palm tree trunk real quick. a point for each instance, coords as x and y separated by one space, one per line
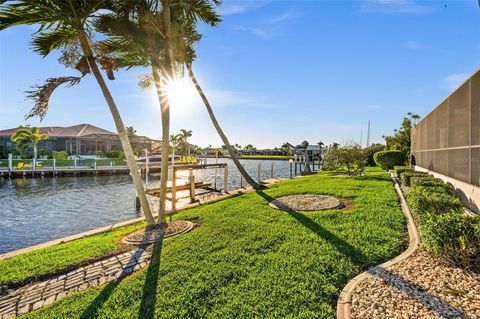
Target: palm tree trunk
34 151
165 113
122 134
224 138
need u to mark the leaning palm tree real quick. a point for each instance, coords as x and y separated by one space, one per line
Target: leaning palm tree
190 56
63 24
24 137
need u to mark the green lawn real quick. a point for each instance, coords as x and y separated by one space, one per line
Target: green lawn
39 263
247 260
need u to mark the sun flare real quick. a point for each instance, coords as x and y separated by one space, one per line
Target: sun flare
180 93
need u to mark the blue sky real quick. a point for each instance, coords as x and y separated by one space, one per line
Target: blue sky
279 71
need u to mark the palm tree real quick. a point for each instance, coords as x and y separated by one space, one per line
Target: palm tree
63 24
24 137
144 33
131 132
182 138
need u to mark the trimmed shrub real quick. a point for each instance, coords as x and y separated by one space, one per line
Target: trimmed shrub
406 176
62 155
389 159
418 181
425 203
400 169
446 189
455 236
115 154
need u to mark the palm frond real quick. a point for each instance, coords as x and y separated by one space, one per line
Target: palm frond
45 42
41 94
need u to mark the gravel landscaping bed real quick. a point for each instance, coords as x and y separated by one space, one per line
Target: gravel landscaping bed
418 287
306 203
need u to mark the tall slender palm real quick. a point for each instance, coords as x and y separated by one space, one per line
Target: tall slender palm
63 23
25 137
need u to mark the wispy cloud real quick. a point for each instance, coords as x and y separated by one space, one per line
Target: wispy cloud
413 45
255 31
236 7
281 18
269 27
396 6
454 80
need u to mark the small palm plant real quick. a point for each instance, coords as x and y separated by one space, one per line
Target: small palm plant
24 137
182 137
66 24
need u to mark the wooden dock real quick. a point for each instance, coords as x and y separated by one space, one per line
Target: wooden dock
63 171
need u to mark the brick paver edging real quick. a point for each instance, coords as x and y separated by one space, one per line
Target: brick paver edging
43 293
345 299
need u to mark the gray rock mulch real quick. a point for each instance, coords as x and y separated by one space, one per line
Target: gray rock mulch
306 203
419 287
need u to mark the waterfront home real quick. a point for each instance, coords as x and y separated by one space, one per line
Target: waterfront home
81 139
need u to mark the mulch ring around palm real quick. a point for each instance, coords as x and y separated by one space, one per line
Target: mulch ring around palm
152 233
306 203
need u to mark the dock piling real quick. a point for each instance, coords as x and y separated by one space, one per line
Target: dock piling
259 173
225 179
174 188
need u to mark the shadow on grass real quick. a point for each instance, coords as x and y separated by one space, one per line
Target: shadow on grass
149 294
149 289
348 250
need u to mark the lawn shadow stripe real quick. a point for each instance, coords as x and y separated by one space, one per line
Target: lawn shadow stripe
348 250
149 295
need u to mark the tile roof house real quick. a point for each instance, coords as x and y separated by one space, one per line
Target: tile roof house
81 139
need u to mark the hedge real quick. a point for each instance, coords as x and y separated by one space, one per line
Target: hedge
406 176
446 230
455 236
389 159
423 202
400 169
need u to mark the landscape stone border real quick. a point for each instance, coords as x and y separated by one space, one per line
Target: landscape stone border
344 302
306 203
156 233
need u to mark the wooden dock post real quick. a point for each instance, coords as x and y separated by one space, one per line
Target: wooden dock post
259 173
272 170
95 167
174 188
75 166
191 179
225 179
111 168
10 163
54 166
241 181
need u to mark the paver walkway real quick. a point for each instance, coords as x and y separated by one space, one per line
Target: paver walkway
40 294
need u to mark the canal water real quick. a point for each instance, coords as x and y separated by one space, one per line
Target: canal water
33 211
